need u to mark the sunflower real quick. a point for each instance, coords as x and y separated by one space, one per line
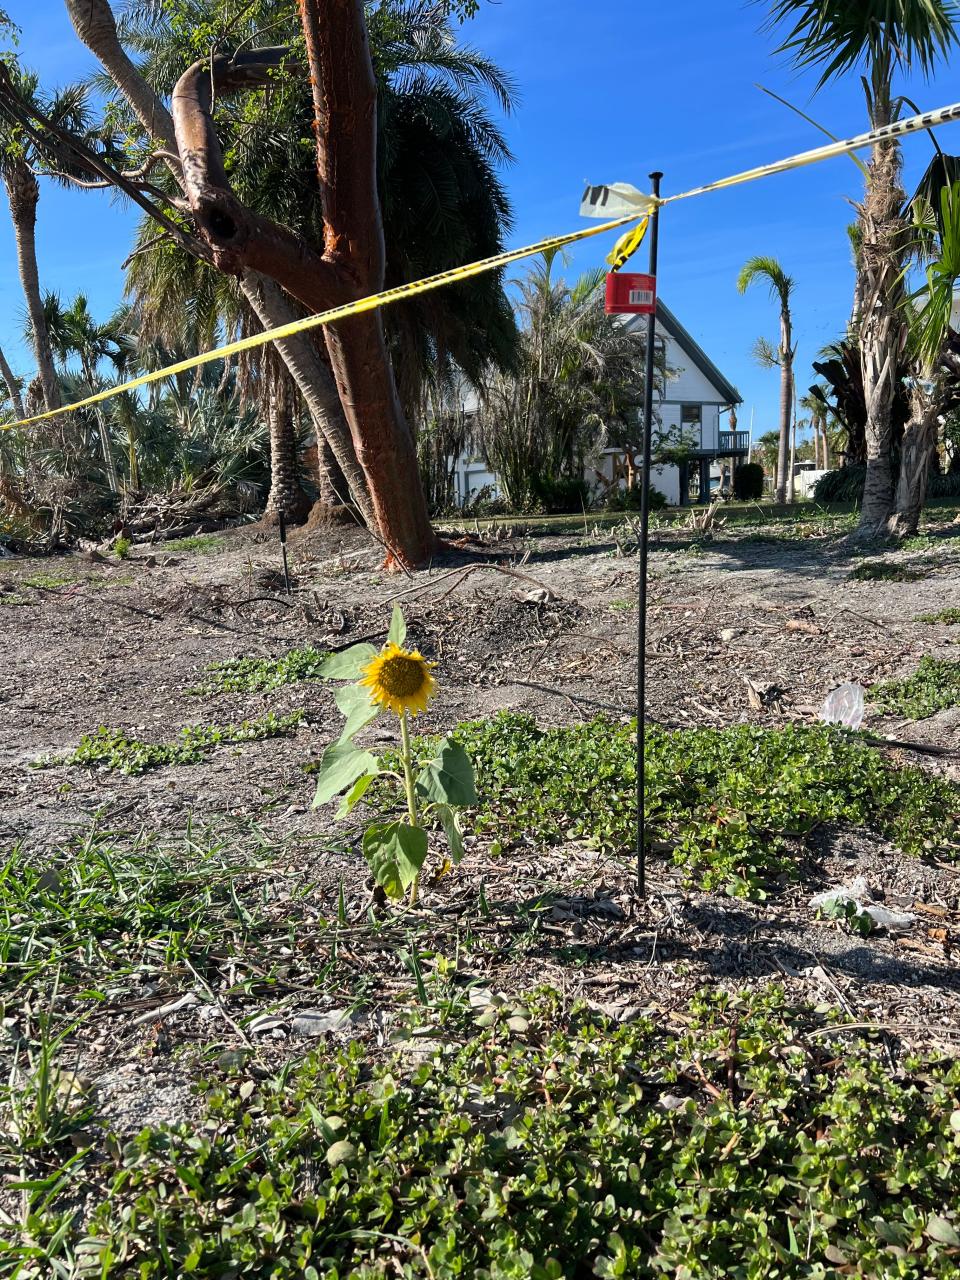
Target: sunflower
400 679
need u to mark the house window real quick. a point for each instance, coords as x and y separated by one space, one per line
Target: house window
691 420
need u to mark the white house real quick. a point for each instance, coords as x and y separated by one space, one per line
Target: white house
698 409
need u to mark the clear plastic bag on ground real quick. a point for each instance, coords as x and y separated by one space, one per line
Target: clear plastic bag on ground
844 705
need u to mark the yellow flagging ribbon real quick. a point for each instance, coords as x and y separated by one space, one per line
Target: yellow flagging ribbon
632 205
370 303
627 245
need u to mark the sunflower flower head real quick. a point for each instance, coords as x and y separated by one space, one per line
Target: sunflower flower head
399 679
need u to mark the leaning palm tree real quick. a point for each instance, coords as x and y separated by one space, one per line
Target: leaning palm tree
883 37
781 286
17 160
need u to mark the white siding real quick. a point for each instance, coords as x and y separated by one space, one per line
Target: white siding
690 386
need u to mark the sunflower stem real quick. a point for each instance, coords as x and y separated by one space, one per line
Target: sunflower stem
411 790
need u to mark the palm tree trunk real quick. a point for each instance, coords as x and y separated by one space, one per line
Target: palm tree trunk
13 391
916 454
286 492
23 193
786 410
310 373
882 252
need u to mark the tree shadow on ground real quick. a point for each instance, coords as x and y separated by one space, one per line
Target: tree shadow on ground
735 943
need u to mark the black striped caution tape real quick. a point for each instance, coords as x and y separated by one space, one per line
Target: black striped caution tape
627 203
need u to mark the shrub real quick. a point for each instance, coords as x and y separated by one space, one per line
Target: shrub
843 485
748 482
562 495
846 485
629 500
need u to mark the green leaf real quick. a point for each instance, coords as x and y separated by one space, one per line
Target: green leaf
349 664
341 765
357 705
395 852
943 1231
398 627
448 778
450 821
355 794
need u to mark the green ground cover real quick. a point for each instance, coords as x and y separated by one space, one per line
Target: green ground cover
738 1138
114 749
723 799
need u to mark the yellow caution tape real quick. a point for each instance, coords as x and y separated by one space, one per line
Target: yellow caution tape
637 206
627 245
370 303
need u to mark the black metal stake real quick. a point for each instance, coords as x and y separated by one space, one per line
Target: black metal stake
644 527
282 526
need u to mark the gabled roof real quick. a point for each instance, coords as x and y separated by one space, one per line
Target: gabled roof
668 321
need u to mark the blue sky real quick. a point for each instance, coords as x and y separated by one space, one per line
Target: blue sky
609 91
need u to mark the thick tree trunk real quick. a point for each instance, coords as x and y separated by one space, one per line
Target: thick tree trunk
13 391
345 109
881 323
916 454
352 263
23 193
94 23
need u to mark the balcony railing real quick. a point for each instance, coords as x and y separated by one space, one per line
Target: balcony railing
733 442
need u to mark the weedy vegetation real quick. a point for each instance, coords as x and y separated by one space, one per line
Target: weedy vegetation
734 1138
202 543
933 687
949 617
728 802
256 675
113 749
886 571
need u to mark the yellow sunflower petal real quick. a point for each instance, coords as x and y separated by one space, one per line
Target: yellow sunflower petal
399 679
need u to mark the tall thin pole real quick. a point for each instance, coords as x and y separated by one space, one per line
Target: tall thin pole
644 528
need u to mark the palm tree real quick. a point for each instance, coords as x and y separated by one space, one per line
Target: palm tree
816 410
781 286
578 378
17 158
883 37
74 332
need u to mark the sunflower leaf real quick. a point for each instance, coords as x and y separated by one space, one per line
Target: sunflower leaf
450 821
448 777
340 766
395 852
349 664
398 627
359 708
355 794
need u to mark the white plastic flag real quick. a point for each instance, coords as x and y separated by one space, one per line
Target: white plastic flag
618 200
